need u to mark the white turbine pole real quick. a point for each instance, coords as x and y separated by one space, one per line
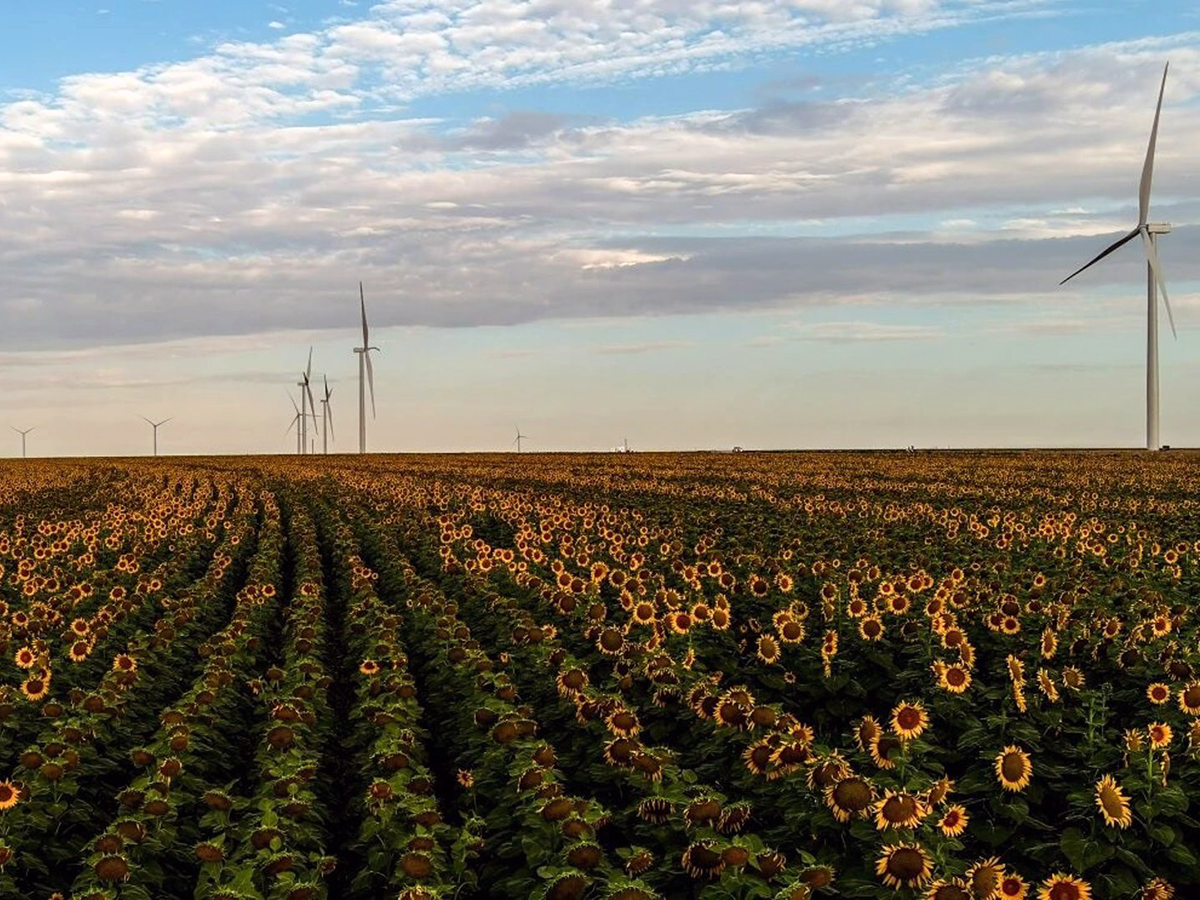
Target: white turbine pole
364 368
1155 283
326 417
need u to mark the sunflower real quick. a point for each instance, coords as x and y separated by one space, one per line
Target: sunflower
938 791
1013 768
1158 693
10 795
123 662
1113 803
79 651
849 798
1158 889
882 747
954 889
1160 735
36 687
953 678
985 877
899 809
953 821
866 730
768 649
903 865
1064 887
25 658
466 778
1189 698
870 628
369 667
1049 643
701 861
1046 685
1073 679
1012 887
909 719
1016 669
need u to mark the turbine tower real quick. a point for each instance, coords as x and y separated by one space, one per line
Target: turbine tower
326 417
155 425
364 362
22 434
1154 277
520 437
307 406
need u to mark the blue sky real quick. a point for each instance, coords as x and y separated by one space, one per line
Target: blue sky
788 224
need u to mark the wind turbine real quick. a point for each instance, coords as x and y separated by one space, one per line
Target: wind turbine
520 437
295 423
22 434
307 406
364 361
1154 276
155 425
326 417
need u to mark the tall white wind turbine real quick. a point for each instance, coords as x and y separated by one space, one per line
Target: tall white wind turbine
364 362
1154 277
520 437
155 425
22 434
307 406
326 417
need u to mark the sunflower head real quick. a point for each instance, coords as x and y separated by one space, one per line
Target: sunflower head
1014 769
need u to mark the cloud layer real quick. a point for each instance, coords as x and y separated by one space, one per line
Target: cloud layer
249 189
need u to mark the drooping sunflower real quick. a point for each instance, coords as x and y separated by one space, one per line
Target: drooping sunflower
899 809
1064 887
849 798
1113 803
953 821
986 877
882 748
1160 735
1158 889
701 861
909 719
1014 769
1073 678
939 791
954 889
866 730
1046 685
903 866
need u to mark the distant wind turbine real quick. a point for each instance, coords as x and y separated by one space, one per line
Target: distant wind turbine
295 423
364 362
155 425
307 406
1154 277
520 437
326 418
22 434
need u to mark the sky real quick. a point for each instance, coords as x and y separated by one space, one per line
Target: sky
687 224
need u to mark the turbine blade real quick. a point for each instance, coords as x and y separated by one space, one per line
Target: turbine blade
1109 249
308 371
362 305
1148 165
329 425
294 406
1156 269
370 380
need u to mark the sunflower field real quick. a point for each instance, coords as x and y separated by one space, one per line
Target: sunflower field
619 677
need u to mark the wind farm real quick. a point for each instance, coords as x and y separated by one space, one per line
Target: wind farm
726 495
